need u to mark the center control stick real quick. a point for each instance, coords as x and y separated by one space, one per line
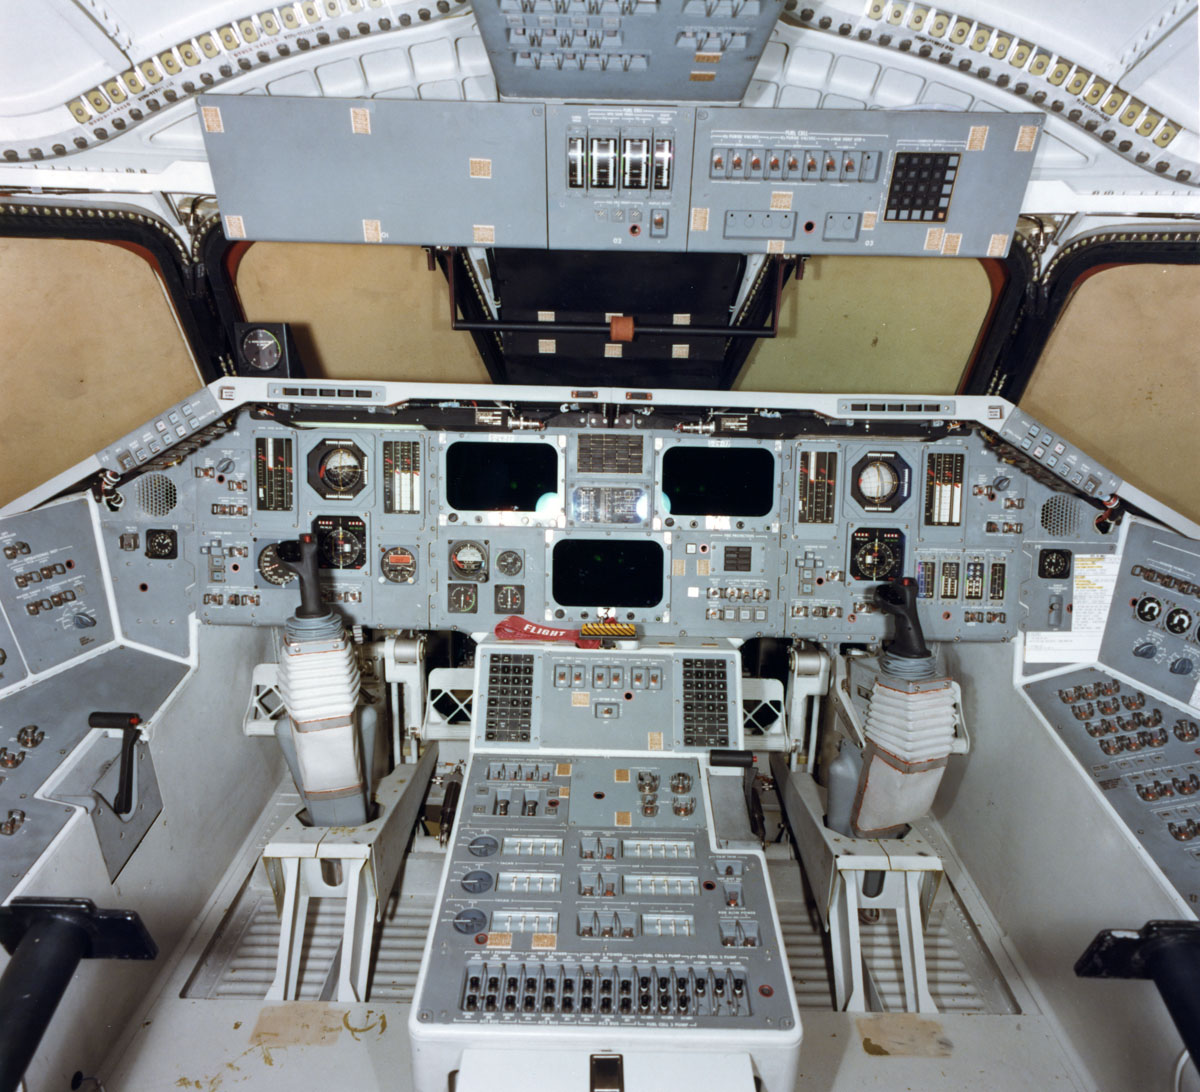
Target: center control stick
301 558
899 599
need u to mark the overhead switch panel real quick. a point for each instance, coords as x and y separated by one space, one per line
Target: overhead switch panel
610 176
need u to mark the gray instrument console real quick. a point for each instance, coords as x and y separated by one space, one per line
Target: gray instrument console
633 177
588 895
419 529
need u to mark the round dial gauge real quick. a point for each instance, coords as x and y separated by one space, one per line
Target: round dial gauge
1053 564
261 349
1178 620
509 563
463 598
1148 608
468 560
271 567
341 469
510 597
875 560
878 481
399 565
483 846
341 548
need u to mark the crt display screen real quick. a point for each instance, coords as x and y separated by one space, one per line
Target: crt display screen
483 477
718 481
602 572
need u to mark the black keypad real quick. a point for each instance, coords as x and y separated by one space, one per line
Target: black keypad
922 185
509 713
705 702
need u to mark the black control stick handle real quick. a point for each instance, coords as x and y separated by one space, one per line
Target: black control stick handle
302 560
899 599
129 724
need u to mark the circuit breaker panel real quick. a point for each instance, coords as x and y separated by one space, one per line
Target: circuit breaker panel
617 176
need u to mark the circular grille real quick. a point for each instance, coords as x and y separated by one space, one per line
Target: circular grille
1060 515
156 494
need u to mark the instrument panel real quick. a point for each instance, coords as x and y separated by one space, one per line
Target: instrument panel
684 535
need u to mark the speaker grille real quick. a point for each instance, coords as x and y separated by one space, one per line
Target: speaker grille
1060 515
156 494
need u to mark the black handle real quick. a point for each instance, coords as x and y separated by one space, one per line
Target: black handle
123 803
46 939
450 798
899 599
113 720
304 565
128 723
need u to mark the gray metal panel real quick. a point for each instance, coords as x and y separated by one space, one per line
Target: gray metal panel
750 164
652 50
118 679
1152 632
1162 769
12 666
153 591
414 172
51 587
621 700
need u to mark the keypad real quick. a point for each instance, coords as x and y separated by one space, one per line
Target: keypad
509 713
922 184
705 703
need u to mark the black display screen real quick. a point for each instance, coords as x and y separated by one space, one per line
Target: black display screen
491 477
603 572
719 481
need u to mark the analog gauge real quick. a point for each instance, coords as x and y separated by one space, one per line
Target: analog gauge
399 565
1148 608
261 349
464 598
1178 621
468 561
510 598
876 553
1054 564
341 470
509 562
878 480
875 560
341 548
271 567
162 543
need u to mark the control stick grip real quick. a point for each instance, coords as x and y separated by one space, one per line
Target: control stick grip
305 566
899 599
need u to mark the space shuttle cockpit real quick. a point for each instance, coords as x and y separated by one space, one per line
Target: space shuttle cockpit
608 717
